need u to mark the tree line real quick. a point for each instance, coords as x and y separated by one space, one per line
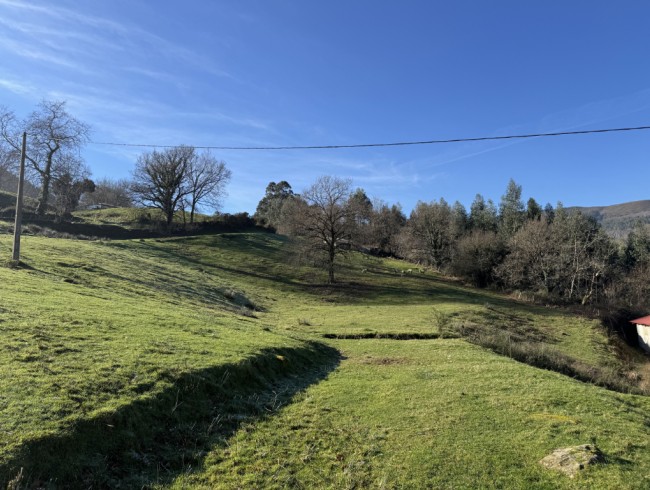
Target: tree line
545 251
554 254
172 179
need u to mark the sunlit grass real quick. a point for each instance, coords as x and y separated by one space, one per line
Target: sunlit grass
102 332
434 414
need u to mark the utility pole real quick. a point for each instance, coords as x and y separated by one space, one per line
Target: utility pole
19 202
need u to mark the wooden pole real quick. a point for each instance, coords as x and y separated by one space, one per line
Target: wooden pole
19 202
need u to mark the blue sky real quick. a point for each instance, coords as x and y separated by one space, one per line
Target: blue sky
277 73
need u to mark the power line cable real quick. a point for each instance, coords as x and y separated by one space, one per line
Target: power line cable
374 145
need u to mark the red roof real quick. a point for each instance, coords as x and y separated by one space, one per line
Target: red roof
644 320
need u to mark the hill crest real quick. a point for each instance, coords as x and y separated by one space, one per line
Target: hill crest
618 219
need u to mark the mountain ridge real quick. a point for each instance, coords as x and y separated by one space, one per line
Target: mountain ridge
618 219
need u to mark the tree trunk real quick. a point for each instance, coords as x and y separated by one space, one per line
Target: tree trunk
45 187
169 215
332 254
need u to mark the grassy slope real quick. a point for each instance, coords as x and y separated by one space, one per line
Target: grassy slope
434 414
136 317
92 327
132 218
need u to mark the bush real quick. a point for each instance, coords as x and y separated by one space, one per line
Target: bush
476 257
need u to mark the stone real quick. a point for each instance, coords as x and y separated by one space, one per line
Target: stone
571 460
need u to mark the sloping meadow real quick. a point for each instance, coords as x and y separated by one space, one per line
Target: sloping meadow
221 362
104 348
435 414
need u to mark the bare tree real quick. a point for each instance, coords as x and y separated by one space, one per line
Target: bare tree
325 219
54 140
8 157
585 251
532 262
6 160
431 231
206 181
476 256
159 179
569 258
386 224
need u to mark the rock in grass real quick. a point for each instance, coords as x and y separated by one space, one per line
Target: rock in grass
570 460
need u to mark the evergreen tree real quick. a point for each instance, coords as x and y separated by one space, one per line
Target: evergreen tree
637 248
511 210
483 215
269 209
533 210
460 219
549 212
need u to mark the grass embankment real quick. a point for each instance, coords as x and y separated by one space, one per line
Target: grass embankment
130 342
116 358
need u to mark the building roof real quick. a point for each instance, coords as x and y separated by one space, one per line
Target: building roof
644 320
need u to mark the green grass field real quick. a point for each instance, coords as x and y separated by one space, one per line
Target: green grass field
209 362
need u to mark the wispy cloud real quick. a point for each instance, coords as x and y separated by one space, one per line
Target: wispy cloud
599 111
63 14
100 32
220 116
53 36
158 76
19 87
34 53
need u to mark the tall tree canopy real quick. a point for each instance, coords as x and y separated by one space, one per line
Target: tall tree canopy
511 210
483 215
269 209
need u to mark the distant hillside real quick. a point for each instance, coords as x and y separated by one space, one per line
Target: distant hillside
9 183
8 202
618 219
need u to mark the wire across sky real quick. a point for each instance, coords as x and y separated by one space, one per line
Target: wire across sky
400 143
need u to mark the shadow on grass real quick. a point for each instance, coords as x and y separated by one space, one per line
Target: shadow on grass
387 335
154 439
397 292
184 259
